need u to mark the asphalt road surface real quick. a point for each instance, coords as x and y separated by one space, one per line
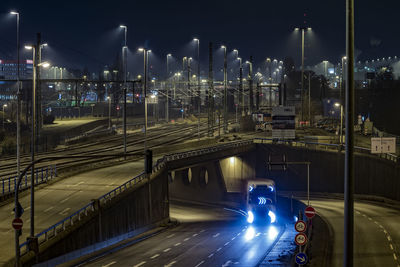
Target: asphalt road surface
206 236
376 232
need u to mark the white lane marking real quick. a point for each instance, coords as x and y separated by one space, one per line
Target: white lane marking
200 263
226 264
171 235
227 243
219 249
177 244
381 226
369 218
111 263
258 234
66 199
154 256
186 239
194 235
376 222
391 246
64 212
212 254
384 230
389 238
78 183
394 256
202 231
233 238
364 215
238 234
28 208
217 234
167 249
358 212
49 209
170 264
139 264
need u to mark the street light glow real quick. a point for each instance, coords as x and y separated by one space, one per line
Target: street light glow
223 47
169 55
141 49
14 13
195 39
28 47
122 26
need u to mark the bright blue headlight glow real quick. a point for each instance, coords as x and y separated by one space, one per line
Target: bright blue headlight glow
295 218
271 188
250 233
272 216
250 217
272 233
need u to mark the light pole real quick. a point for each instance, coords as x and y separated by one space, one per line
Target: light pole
145 55
337 104
167 85
225 91
4 106
124 53
241 85
303 29
250 76
325 67
109 112
198 76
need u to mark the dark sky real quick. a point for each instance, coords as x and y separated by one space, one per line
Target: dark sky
86 32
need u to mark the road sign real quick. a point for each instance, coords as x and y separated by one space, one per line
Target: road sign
310 212
383 145
17 223
300 226
300 239
301 258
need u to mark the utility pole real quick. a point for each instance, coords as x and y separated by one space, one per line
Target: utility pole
225 91
258 95
309 97
349 154
241 85
211 118
250 77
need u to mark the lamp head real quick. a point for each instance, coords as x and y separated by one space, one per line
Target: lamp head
14 13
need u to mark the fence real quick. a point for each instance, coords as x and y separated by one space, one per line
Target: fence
42 175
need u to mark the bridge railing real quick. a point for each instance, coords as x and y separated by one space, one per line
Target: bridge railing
42 175
325 146
78 215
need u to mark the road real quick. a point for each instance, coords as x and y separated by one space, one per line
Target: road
206 236
376 232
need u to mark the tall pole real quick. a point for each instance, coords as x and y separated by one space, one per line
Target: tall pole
198 89
309 97
109 112
241 84
225 92
17 251
124 55
211 117
145 97
251 100
302 74
349 154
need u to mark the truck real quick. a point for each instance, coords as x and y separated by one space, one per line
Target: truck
261 201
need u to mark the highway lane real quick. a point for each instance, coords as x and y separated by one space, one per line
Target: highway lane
206 236
376 232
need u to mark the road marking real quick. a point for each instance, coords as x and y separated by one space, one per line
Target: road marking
217 234
219 249
238 234
167 249
64 212
258 234
202 231
170 264
233 238
384 230
27 221
394 256
177 244
358 212
200 263
226 264
171 235
111 263
186 239
28 208
381 226
66 199
364 215
78 183
212 254
369 218
194 235
49 209
154 256
139 264
227 243
389 238
391 246
376 222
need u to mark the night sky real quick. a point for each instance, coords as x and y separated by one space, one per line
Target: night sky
86 33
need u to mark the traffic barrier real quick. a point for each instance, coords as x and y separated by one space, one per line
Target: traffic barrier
9 184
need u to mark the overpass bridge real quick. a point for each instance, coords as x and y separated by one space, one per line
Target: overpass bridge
213 176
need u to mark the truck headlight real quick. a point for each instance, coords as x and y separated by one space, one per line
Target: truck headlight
272 216
250 217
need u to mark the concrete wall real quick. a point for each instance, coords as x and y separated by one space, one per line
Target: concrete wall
236 170
113 221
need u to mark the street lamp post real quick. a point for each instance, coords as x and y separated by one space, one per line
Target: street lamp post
198 101
341 122
225 91
167 85
124 53
145 55
4 106
250 77
241 85
303 29
109 112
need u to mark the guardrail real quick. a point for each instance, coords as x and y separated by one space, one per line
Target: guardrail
42 175
77 216
325 146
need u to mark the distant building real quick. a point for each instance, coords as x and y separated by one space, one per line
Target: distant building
8 69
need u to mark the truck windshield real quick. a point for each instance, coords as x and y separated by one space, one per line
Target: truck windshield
261 195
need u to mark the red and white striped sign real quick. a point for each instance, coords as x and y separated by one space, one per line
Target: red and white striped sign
309 212
17 223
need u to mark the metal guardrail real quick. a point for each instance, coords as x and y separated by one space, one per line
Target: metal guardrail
325 146
60 226
42 175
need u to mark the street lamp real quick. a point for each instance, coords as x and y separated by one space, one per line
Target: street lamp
4 106
198 77
337 104
250 76
145 55
303 29
241 84
167 85
124 52
109 112
225 91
